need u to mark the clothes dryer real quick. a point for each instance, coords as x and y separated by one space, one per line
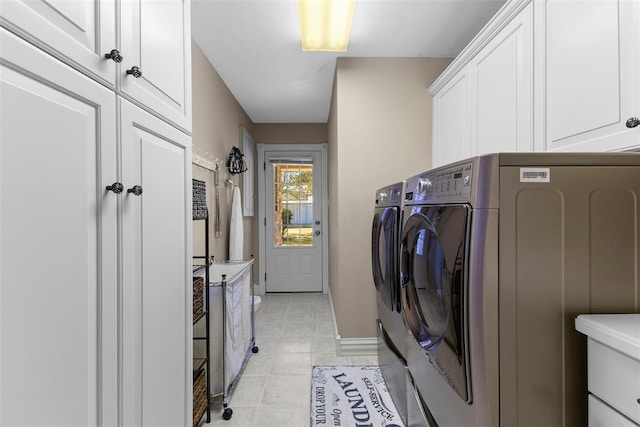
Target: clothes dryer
392 333
498 255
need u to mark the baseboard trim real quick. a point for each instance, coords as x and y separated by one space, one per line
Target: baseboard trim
356 346
352 346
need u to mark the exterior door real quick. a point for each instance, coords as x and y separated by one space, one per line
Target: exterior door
293 243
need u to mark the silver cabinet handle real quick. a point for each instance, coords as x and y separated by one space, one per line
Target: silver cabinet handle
136 190
135 72
116 187
114 55
633 122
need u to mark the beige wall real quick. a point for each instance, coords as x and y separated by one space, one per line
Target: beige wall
290 133
218 120
379 133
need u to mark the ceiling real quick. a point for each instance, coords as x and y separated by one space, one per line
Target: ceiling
254 45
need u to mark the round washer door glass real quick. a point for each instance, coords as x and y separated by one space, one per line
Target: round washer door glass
426 282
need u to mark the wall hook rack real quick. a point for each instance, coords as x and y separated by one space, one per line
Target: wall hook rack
204 159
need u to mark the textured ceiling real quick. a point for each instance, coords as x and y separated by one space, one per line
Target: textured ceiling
255 47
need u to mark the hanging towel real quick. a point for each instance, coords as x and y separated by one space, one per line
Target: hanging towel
236 237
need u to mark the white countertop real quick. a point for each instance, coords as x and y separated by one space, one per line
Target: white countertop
618 331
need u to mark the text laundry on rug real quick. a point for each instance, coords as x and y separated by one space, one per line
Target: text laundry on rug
351 396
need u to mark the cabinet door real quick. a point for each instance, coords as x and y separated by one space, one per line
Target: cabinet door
156 256
58 272
156 38
592 54
451 127
80 33
502 89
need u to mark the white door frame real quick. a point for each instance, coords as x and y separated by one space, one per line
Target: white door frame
262 213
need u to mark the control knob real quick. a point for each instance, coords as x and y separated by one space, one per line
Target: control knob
424 186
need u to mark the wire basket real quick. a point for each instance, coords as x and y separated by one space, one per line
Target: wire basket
200 400
198 297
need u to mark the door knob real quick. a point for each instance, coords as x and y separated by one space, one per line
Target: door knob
136 190
135 71
633 122
116 187
317 233
114 55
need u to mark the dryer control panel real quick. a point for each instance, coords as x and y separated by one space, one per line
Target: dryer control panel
390 195
450 182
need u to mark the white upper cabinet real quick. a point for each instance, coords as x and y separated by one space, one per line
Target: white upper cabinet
502 92
547 75
483 100
144 53
592 75
156 39
78 32
451 125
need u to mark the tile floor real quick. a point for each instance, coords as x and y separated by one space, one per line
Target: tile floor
294 332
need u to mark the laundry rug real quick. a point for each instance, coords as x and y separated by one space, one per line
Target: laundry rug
351 396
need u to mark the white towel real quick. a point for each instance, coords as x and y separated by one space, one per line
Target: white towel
236 237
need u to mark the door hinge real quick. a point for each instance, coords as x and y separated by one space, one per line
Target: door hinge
265 277
265 221
264 166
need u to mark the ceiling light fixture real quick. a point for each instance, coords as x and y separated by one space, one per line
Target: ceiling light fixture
326 24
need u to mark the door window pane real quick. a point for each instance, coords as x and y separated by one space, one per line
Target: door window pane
293 207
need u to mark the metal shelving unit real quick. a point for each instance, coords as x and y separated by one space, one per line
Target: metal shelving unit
199 363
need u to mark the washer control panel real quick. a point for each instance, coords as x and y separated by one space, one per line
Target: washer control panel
391 195
449 182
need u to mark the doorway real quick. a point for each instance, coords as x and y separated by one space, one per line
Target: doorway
292 200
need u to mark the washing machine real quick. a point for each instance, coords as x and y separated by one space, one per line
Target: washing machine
392 332
498 255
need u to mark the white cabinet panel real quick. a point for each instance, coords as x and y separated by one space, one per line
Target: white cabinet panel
601 415
156 266
503 89
592 53
78 32
615 378
58 269
483 102
452 129
156 37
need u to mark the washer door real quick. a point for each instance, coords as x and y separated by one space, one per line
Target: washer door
384 258
432 273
